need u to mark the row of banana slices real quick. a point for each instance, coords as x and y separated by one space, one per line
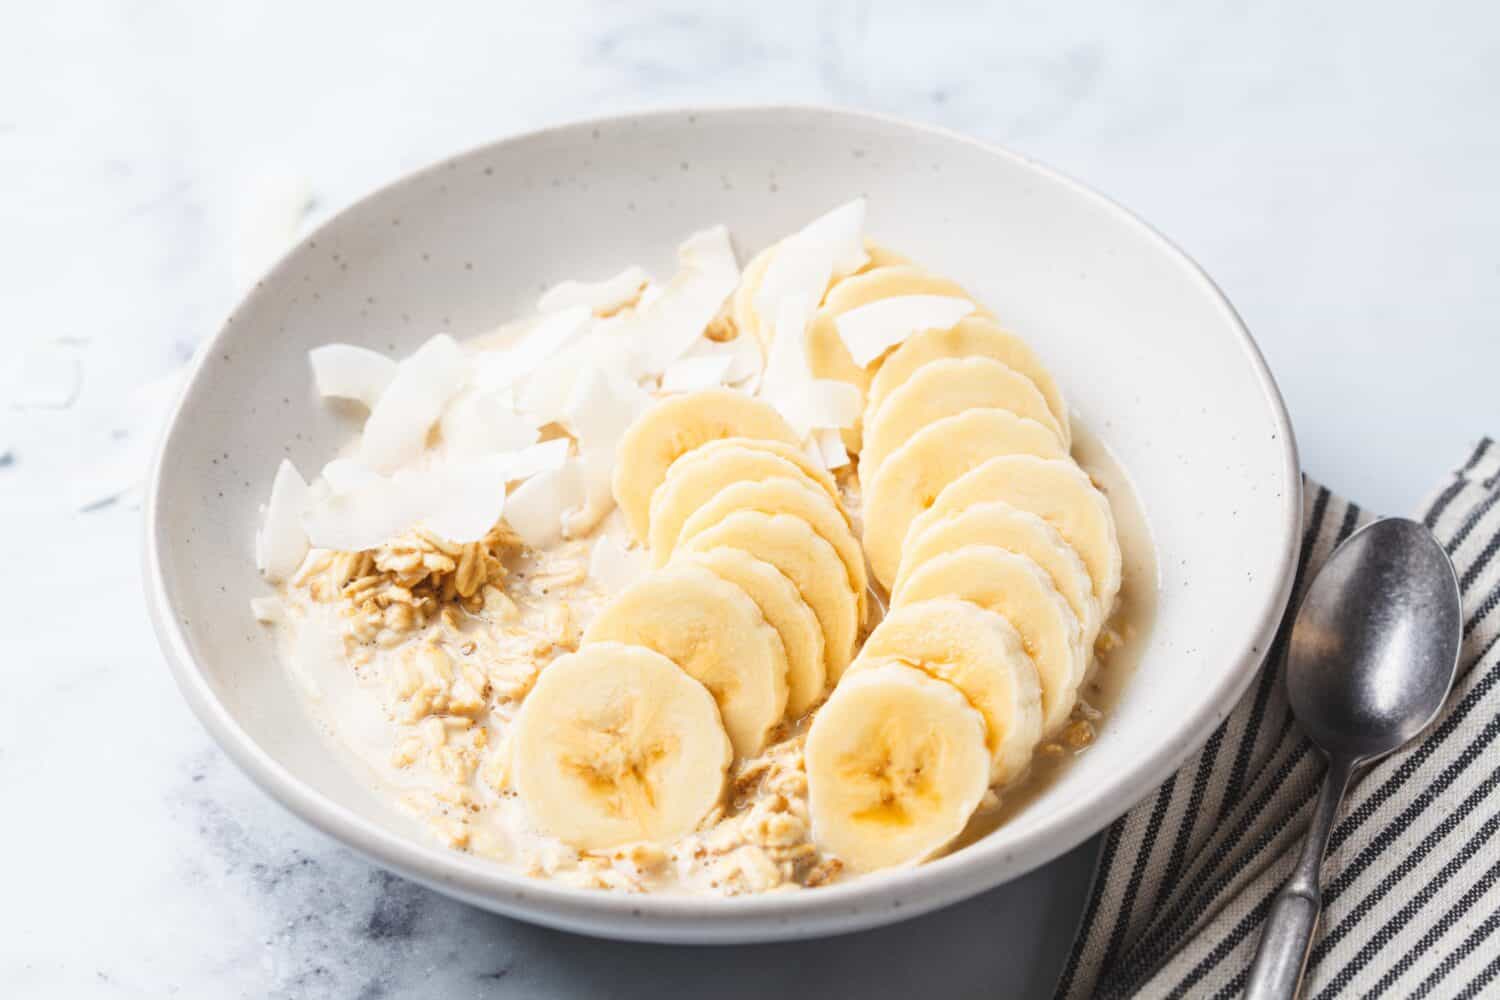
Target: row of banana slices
749 617
998 552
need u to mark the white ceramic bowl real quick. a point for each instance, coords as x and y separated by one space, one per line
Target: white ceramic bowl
1153 359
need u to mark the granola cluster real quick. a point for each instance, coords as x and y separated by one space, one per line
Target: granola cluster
401 587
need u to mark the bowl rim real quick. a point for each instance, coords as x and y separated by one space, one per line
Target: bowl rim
868 901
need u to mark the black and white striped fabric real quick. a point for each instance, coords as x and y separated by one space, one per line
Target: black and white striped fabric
1412 880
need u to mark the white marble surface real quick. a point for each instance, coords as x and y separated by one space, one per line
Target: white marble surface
1332 165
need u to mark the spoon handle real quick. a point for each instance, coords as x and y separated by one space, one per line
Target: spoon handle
1276 973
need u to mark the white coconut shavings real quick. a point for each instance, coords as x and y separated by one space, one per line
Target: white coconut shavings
669 326
599 296
829 247
345 371
282 543
268 610
601 405
806 402
396 430
746 359
535 510
476 422
613 567
692 374
545 341
465 499
459 500
871 330
345 475
827 447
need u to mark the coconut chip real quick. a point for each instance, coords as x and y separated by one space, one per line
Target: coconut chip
601 297
871 330
691 374
535 510
827 248
545 341
345 371
476 422
668 327
827 446
396 430
282 543
268 610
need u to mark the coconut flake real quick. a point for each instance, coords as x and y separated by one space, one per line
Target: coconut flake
599 296
545 341
670 325
396 430
476 422
547 456
827 447
282 543
827 248
268 610
693 374
601 405
468 498
344 475
613 566
869 331
370 513
535 510
345 371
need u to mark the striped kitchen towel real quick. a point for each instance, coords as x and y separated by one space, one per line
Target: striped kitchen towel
1412 880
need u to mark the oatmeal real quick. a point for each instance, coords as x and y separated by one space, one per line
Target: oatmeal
734 584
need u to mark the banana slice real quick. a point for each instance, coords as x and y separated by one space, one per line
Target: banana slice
676 426
615 745
1061 494
941 389
742 304
1017 589
979 653
974 336
713 631
782 495
910 479
792 546
786 612
695 478
896 765
826 354
996 522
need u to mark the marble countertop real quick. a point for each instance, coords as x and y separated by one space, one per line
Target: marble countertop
1331 165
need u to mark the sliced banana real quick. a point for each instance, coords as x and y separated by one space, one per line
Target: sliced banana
896 765
910 479
742 304
973 336
713 631
981 654
615 745
695 478
944 388
792 546
1061 494
1020 591
786 612
996 522
826 354
782 495
675 426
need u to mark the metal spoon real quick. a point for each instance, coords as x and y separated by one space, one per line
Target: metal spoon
1373 654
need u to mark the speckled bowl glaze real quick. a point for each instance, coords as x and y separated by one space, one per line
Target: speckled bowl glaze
1154 359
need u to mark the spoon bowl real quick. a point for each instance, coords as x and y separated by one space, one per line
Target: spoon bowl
1376 641
1373 655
